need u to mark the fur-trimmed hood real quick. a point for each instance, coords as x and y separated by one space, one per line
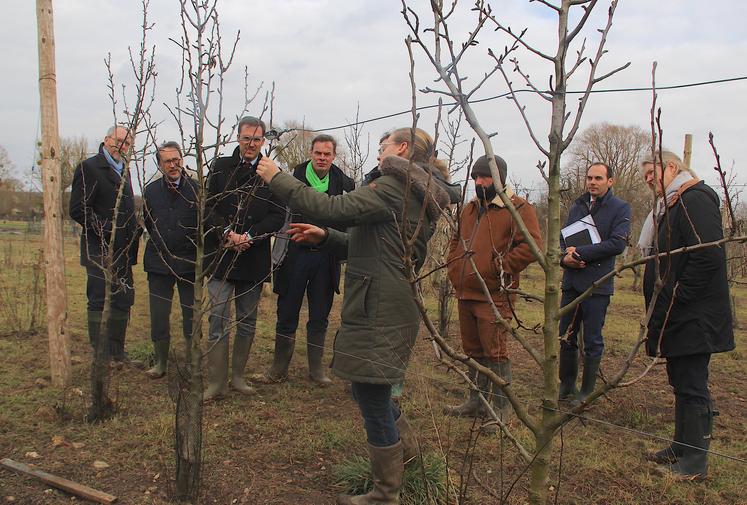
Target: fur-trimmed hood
436 199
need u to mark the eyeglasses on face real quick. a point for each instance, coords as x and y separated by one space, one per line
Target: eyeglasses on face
172 161
383 145
251 140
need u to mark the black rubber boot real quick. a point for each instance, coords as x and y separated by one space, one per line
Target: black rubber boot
568 371
673 451
278 372
117 333
697 429
589 380
161 350
315 353
94 327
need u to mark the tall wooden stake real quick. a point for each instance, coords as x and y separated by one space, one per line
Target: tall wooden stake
688 151
54 259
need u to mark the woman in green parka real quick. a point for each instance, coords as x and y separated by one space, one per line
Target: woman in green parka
380 319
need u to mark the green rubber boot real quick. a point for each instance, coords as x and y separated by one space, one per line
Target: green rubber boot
217 369
161 350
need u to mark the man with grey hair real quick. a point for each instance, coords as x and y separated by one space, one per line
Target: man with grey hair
241 215
93 199
690 314
170 205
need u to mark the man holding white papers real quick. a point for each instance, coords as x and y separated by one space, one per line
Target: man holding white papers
595 233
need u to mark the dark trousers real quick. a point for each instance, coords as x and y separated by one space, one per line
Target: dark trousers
688 376
379 412
122 289
309 274
161 293
591 312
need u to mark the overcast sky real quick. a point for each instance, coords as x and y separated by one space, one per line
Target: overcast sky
326 56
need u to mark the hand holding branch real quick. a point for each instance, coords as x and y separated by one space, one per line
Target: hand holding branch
267 169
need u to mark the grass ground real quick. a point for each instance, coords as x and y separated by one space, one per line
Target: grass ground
283 445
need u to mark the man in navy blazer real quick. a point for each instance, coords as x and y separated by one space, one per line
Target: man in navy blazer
583 265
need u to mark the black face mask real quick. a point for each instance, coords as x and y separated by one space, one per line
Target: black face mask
485 194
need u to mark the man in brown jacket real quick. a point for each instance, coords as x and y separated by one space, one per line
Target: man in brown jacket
500 252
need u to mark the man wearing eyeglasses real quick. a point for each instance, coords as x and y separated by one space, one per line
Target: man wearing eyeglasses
308 270
170 216
93 198
241 214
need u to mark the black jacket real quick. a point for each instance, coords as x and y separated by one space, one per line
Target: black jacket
238 199
170 216
92 199
696 292
339 183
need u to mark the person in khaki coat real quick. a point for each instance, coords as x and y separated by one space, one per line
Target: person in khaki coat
380 318
500 252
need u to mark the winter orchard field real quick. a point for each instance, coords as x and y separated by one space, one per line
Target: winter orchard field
295 443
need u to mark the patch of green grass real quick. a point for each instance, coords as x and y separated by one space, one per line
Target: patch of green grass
423 484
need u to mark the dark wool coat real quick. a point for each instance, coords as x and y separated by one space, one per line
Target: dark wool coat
612 218
338 183
170 216
380 319
696 292
238 199
92 199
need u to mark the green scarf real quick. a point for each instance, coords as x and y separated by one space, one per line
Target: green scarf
320 185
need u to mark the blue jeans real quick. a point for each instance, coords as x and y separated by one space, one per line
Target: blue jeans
591 312
379 412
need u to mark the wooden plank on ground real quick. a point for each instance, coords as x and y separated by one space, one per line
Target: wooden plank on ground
58 482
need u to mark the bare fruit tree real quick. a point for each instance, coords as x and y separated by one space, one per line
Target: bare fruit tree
446 55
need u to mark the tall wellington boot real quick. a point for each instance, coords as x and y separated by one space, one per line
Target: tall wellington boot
568 371
472 407
217 368
697 429
315 353
117 332
387 468
673 451
500 402
589 380
410 447
161 350
94 327
284 345
241 347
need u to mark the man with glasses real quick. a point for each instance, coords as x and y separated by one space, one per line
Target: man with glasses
241 215
170 216
93 198
308 270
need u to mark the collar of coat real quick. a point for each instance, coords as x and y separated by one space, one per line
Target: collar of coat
497 200
422 180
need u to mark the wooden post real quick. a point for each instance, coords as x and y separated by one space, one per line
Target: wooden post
688 151
54 258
